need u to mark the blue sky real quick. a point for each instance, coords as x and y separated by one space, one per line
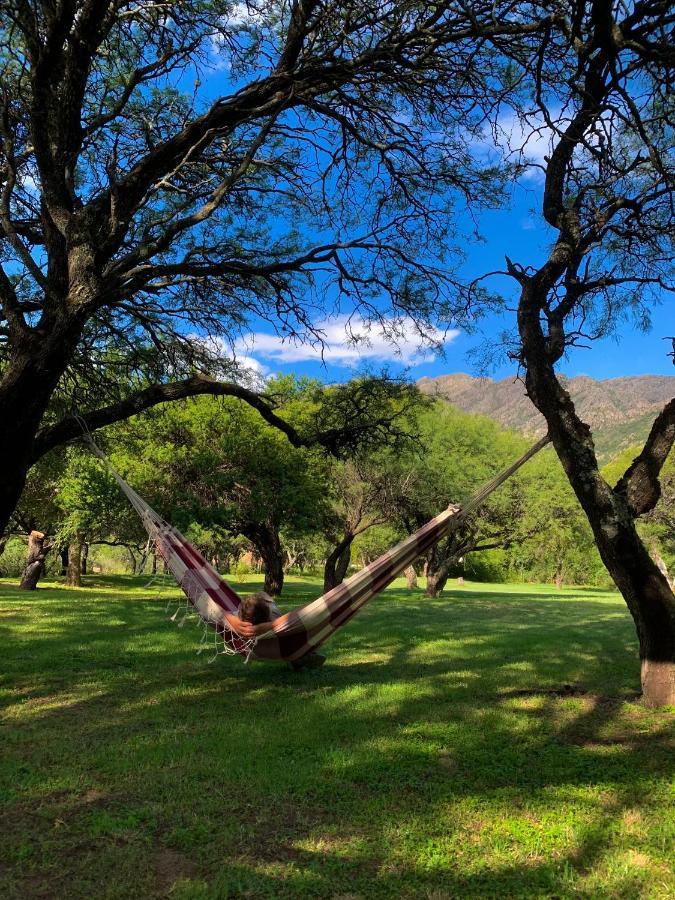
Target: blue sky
517 232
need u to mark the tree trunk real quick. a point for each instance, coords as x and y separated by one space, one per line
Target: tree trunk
63 553
337 563
85 557
663 568
437 570
35 561
74 576
132 559
651 603
267 543
26 387
436 581
644 588
154 562
411 578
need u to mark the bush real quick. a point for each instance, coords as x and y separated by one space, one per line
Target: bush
13 560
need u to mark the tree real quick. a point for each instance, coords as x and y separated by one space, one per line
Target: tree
358 493
171 173
457 453
599 85
37 516
211 465
92 511
551 539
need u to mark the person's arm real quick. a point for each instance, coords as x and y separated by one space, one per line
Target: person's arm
242 628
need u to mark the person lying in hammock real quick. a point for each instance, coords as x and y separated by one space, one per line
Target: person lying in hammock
257 613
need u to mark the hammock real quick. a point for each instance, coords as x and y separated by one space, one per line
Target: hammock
302 630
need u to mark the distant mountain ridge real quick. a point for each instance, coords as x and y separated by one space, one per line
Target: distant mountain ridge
619 410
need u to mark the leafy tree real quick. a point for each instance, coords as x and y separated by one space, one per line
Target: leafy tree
552 540
458 453
181 170
92 510
598 84
358 502
217 466
36 517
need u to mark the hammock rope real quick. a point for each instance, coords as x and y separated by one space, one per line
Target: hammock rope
303 630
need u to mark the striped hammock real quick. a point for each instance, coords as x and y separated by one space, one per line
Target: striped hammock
302 630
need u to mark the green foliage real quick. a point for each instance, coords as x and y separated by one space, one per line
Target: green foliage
221 474
216 466
553 542
13 558
90 501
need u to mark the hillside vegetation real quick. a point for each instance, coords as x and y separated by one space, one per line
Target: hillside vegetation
619 410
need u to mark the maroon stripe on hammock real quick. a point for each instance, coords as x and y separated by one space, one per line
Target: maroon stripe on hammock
336 617
224 587
178 549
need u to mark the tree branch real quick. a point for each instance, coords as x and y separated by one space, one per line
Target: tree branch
640 482
71 427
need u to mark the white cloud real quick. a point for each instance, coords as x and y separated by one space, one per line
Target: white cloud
529 141
517 140
350 342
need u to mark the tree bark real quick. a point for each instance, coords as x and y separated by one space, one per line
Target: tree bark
26 387
267 542
35 561
436 581
611 514
337 563
63 553
437 570
74 576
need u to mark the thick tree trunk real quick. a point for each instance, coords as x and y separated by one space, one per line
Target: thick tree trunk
650 600
437 571
74 576
337 563
436 581
267 542
35 561
26 387
645 589
663 568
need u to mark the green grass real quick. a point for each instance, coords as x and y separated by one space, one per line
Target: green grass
438 753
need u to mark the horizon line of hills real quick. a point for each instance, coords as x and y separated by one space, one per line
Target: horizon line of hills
620 411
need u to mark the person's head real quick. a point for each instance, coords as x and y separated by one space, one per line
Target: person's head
256 608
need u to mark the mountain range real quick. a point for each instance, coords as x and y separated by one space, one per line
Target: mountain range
619 410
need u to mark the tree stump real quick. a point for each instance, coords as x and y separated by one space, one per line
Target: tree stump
35 561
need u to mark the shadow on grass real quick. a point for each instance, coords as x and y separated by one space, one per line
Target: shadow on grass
413 764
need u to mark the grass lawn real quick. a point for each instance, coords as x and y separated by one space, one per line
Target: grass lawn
487 744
